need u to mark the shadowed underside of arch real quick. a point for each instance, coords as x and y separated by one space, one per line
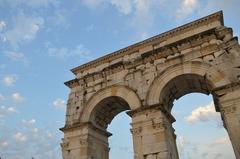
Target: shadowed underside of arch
116 98
185 78
182 85
104 112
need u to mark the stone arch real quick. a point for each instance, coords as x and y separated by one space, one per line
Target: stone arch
211 75
116 92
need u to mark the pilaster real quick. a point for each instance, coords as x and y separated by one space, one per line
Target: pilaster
153 134
85 141
230 111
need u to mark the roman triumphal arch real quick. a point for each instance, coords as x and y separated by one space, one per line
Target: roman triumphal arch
145 78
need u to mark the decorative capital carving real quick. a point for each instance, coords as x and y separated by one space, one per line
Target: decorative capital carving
64 145
159 125
136 131
229 110
83 142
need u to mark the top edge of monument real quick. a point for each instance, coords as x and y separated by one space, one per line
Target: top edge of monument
217 16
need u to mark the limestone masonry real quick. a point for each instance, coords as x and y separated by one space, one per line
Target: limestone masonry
145 79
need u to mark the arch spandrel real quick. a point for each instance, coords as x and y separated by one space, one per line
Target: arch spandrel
123 92
215 78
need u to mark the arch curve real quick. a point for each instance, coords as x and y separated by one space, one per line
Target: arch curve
121 91
215 78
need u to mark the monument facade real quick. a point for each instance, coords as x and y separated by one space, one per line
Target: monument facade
145 78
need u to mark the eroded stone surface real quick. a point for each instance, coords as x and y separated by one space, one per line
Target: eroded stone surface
145 78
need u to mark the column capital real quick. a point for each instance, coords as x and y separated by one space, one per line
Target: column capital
87 125
155 107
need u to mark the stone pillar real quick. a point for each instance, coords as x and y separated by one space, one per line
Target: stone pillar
85 141
153 134
230 110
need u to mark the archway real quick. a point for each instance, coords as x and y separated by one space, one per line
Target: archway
121 140
202 56
100 118
91 137
199 128
183 84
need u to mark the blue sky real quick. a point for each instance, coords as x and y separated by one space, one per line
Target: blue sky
41 40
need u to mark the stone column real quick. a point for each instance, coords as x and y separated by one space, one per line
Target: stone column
153 134
85 141
230 110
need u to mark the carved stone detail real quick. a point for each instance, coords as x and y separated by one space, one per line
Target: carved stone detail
136 131
229 110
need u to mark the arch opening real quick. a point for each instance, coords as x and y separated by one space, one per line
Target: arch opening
183 85
113 109
196 125
104 112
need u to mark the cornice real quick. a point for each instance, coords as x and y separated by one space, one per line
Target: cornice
218 16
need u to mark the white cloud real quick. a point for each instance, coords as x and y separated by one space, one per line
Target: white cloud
30 142
24 30
124 6
204 114
93 4
20 137
28 122
221 141
32 3
9 80
63 53
17 97
59 103
4 144
1 97
141 13
2 25
186 8
4 111
16 56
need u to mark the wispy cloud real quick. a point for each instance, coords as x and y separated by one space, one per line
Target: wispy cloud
28 123
17 97
64 53
24 29
2 97
29 142
221 141
204 114
19 137
32 4
186 8
17 56
124 6
4 111
9 80
59 103
2 25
